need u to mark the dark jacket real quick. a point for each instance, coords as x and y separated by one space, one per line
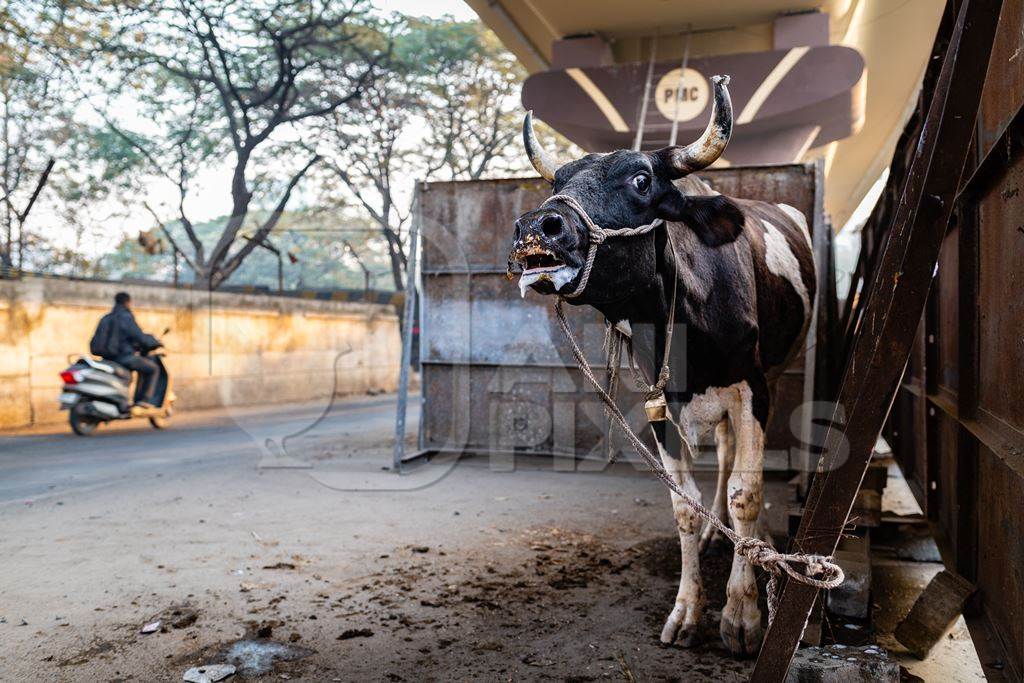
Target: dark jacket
125 335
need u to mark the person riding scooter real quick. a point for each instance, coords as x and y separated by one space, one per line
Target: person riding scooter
119 338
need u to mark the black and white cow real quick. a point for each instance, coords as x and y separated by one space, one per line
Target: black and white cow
745 282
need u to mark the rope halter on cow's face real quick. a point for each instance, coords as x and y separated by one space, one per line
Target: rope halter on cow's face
815 570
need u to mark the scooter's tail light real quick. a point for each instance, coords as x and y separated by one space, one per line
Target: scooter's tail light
71 376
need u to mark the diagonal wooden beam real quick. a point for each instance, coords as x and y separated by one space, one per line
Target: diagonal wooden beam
891 316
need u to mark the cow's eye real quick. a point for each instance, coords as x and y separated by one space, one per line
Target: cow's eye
642 183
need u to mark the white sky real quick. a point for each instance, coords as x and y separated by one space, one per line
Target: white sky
429 8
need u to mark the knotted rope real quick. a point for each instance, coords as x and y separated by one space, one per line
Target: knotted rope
819 571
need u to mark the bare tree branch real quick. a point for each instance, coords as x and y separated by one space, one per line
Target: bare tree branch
268 225
250 70
170 237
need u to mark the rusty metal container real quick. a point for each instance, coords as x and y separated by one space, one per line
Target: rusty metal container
498 376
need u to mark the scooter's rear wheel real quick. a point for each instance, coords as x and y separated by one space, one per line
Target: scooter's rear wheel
82 424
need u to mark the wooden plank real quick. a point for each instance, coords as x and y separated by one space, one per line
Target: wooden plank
891 316
968 312
934 612
967 394
1006 442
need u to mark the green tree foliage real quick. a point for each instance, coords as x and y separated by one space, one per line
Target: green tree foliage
468 96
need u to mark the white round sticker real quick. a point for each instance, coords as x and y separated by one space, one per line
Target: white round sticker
692 99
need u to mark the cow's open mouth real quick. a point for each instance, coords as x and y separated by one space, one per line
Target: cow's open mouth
545 261
542 264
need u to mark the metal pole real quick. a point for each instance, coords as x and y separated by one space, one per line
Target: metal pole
23 216
407 325
679 89
647 93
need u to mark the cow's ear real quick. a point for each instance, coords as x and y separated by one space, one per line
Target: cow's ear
716 220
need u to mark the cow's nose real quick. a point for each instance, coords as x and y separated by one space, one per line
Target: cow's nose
547 223
551 225
544 223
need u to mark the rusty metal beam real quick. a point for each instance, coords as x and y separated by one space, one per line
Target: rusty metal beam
891 316
1000 156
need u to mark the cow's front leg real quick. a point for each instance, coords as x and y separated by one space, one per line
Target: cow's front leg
682 622
741 619
725 447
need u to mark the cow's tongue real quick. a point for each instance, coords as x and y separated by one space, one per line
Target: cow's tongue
559 278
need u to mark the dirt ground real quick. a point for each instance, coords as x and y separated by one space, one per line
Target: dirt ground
330 567
475 575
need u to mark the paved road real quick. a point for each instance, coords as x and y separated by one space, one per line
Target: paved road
38 466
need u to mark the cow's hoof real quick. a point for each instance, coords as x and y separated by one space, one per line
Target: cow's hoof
681 626
741 628
709 538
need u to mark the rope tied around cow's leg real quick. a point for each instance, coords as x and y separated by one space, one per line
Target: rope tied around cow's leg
819 571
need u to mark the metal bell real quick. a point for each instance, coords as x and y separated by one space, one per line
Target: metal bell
656 408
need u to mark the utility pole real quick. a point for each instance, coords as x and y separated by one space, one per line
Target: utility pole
23 216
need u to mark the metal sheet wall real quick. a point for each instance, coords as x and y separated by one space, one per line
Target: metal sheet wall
497 375
958 423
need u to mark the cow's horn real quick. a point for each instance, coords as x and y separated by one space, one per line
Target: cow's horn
541 160
710 145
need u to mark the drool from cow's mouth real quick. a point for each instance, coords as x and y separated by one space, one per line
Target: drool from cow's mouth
541 264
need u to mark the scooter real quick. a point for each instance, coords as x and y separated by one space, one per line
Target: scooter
98 391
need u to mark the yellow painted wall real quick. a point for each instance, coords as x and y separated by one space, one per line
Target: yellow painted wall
224 349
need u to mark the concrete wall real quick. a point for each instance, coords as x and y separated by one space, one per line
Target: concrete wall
223 349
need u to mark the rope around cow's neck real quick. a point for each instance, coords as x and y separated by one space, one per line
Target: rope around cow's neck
756 551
